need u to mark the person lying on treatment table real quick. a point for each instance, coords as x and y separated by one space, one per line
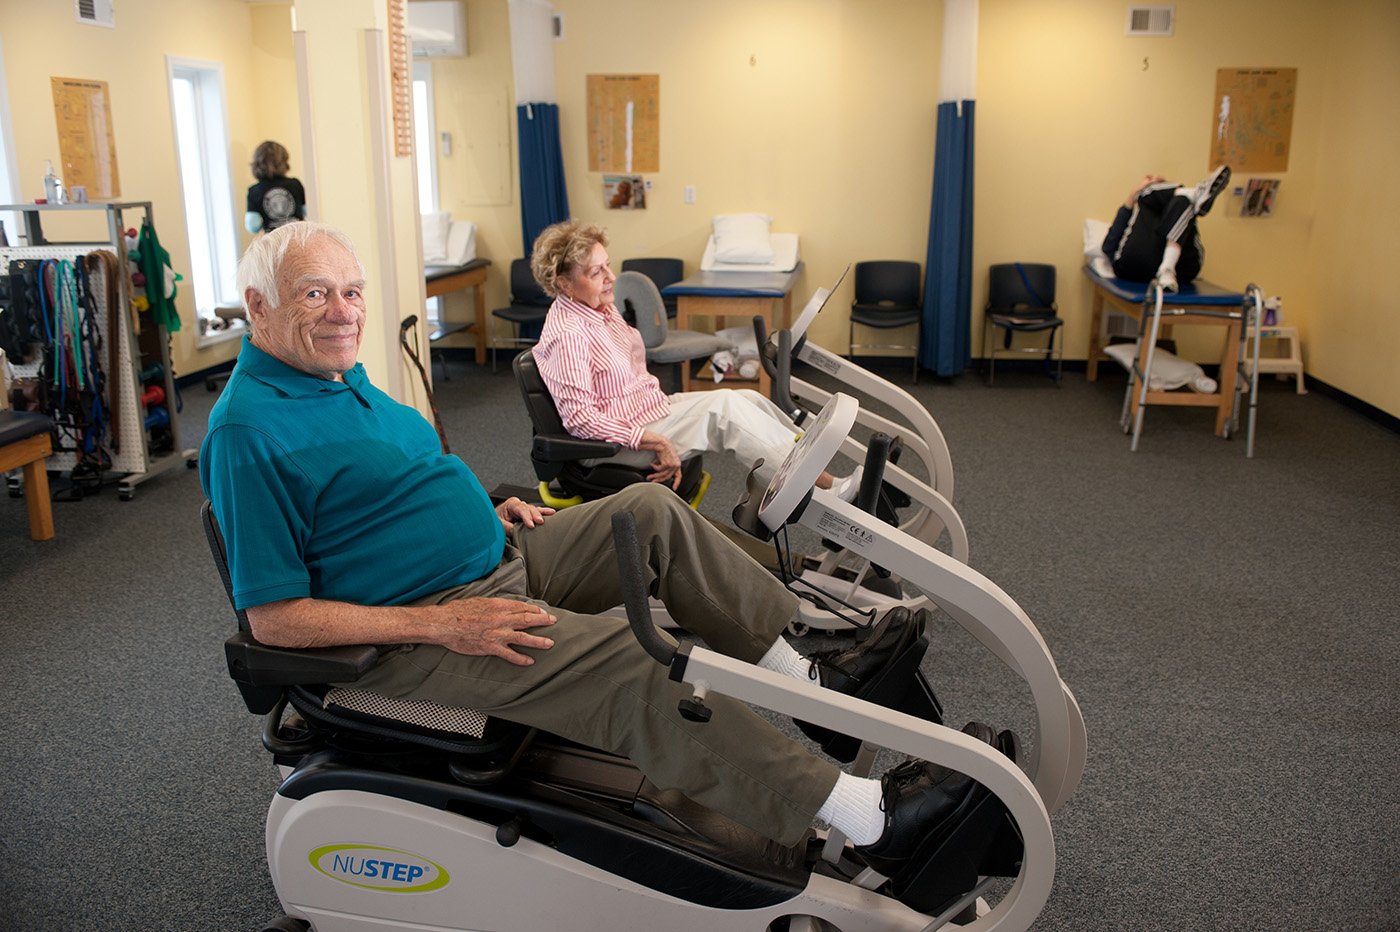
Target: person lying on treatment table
347 524
1154 233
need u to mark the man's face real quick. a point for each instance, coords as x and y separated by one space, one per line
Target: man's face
320 317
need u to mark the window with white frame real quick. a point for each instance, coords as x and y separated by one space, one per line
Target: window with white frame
9 178
423 137
425 154
201 141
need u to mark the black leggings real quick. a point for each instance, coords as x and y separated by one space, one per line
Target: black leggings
1139 235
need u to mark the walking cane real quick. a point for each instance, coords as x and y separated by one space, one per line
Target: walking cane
410 323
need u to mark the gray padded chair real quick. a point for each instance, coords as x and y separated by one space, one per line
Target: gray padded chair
638 295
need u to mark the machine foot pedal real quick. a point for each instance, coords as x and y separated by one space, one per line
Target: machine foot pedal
899 685
982 841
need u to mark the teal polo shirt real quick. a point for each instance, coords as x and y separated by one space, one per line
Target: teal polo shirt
333 490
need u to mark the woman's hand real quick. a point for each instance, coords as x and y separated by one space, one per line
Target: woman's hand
667 467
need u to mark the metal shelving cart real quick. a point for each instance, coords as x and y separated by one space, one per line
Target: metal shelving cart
141 346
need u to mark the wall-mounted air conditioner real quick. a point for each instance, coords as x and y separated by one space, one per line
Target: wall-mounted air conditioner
437 28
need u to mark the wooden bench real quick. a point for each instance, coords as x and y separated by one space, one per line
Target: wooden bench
24 442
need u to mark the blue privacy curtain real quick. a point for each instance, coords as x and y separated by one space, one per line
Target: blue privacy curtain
543 197
945 337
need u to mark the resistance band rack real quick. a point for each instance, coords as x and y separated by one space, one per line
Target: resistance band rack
142 345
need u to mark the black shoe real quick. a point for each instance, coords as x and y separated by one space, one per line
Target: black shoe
921 800
1206 191
856 670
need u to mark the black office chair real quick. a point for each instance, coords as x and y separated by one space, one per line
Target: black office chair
567 467
360 724
887 295
661 271
1021 299
528 307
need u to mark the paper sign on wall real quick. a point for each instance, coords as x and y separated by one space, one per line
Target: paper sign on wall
86 142
1253 120
624 123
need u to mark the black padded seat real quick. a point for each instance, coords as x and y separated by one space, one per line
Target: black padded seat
25 444
570 465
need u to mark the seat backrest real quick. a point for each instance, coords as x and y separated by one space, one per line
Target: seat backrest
523 287
635 293
539 404
662 272
220 553
1015 285
892 281
267 676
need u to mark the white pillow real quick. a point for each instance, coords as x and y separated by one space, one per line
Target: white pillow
785 256
1094 233
435 227
743 238
461 242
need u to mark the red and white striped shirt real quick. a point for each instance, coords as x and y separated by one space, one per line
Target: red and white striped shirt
595 366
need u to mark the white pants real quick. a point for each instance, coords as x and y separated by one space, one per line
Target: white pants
727 420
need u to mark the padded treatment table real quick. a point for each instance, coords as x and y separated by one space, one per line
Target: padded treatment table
445 279
1200 302
717 295
24 443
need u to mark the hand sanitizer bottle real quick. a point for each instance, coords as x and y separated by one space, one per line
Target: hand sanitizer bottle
53 188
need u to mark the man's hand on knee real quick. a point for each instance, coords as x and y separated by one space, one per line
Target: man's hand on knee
514 509
486 627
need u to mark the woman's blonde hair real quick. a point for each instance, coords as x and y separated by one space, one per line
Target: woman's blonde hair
561 249
270 160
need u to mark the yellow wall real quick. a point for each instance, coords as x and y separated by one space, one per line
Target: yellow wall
1350 307
474 102
1069 118
816 112
830 130
42 40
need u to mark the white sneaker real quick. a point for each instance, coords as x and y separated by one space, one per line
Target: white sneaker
1204 194
1167 279
846 489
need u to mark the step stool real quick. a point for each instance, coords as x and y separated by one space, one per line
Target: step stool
1283 365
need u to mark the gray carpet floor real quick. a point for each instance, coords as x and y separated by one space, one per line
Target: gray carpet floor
1228 626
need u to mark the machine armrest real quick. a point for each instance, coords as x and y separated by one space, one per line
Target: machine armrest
557 448
258 664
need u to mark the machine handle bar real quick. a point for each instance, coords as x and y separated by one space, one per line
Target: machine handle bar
634 589
779 369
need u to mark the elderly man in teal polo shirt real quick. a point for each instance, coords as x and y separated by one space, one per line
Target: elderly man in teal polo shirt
347 524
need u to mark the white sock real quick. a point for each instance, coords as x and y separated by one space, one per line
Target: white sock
781 658
846 489
1170 253
853 809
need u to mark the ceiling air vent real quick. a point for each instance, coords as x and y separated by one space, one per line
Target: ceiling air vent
1151 20
96 13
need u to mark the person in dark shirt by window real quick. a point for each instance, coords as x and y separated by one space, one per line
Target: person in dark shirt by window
276 199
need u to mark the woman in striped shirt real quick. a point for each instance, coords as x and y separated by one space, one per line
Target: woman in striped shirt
594 365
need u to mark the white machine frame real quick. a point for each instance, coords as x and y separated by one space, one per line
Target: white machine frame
919 433
423 867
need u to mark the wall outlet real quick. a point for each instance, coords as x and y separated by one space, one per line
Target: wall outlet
690 194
